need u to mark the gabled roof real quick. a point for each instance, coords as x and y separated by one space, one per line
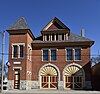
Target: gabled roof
55 21
73 38
19 24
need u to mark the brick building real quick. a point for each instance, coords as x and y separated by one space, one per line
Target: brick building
57 59
96 77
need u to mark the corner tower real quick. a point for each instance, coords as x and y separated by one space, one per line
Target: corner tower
20 39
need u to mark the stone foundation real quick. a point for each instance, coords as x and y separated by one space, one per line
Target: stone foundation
35 85
10 84
25 84
60 85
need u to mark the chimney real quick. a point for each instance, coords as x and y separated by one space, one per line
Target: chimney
82 32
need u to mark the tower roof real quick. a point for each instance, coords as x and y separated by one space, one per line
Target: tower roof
19 24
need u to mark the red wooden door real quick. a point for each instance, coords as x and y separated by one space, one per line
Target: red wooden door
49 82
17 79
73 82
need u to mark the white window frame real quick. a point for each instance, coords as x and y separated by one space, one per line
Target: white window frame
17 44
56 54
42 53
66 53
74 53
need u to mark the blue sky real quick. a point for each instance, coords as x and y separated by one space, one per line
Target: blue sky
73 13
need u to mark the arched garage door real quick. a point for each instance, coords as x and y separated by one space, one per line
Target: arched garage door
48 78
73 77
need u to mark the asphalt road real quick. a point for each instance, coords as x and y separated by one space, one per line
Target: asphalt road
36 91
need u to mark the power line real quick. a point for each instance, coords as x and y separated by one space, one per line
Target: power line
49 55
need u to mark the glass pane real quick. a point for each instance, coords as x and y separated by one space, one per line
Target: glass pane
56 36
47 37
69 54
63 36
52 36
45 55
77 79
53 55
21 50
77 54
15 54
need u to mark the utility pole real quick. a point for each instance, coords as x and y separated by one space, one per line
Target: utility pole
3 36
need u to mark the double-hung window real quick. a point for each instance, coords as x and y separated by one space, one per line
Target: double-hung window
77 54
45 55
53 54
15 51
21 50
69 54
18 50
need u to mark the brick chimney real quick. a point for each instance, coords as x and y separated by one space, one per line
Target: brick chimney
82 32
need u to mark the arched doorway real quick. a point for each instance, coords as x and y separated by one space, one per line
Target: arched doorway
73 77
48 77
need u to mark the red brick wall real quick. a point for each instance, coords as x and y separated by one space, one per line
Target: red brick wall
96 77
25 64
60 62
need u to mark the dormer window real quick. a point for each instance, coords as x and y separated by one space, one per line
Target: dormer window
55 37
62 36
47 37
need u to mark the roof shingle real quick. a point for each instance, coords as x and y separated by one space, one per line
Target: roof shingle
72 38
19 24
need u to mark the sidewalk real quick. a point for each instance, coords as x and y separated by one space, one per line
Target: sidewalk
38 91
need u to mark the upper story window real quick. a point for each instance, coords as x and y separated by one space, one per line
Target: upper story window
21 50
15 52
47 37
53 54
18 50
46 52
69 54
45 55
77 54
62 36
55 37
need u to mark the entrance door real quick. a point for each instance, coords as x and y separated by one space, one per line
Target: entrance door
73 82
49 82
48 78
73 77
17 79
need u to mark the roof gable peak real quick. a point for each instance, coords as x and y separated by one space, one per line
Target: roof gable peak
19 24
55 23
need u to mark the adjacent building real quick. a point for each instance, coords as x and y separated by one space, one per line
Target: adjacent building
57 59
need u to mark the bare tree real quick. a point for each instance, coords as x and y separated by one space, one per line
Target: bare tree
95 60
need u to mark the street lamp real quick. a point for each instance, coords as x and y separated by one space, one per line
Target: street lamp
3 35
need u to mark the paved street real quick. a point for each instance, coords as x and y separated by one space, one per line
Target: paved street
36 91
